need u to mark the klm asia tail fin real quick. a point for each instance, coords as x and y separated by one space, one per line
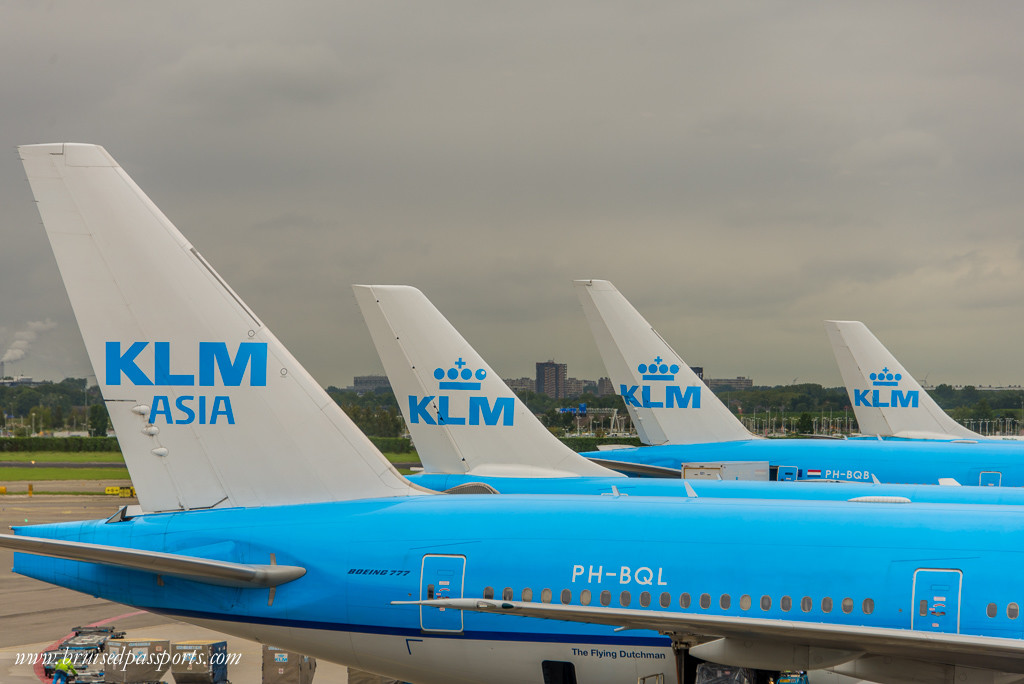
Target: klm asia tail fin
462 416
886 399
667 401
209 407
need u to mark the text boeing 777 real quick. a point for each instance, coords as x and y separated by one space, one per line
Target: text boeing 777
302 535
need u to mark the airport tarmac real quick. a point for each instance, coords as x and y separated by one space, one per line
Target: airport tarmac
34 615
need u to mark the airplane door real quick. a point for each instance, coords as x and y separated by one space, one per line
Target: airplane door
990 478
786 473
441 577
936 601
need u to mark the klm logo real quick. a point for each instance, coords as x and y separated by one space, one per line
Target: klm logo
213 357
460 379
215 363
881 398
660 395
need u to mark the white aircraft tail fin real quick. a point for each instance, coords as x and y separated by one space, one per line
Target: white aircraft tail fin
886 399
209 407
461 414
669 404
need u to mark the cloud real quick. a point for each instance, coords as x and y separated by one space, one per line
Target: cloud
23 339
740 171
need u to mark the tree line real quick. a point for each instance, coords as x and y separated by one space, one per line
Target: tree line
71 404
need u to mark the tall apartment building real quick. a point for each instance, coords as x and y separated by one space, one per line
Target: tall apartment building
551 379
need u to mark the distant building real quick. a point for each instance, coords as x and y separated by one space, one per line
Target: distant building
740 383
573 387
698 371
370 383
605 387
551 379
20 380
521 384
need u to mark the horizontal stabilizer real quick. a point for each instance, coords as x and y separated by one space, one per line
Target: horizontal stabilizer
668 403
642 469
221 573
992 653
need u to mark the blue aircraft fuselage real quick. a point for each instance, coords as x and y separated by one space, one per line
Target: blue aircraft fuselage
896 462
848 564
725 489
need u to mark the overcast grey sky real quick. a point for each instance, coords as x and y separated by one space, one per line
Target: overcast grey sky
740 170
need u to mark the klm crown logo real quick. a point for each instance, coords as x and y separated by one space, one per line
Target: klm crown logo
658 371
459 377
660 396
873 398
885 379
439 409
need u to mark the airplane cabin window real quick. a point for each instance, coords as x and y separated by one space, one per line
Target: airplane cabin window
624 599
545 596
1012 611
806 604
488 592
684 600
566 596
868 606
826 604
766 602
725 602
786 603
991 610
506 594
745 601
705 601
666 599
606 598
645 599
527 594
847 605
585 597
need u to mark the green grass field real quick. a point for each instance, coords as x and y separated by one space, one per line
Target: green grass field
407 457
15 474
36 474
61 457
